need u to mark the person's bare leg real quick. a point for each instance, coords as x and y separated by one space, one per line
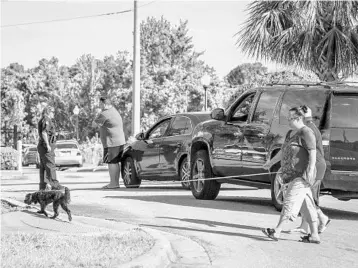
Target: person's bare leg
303 228
114 174
281 222
322 220
118 177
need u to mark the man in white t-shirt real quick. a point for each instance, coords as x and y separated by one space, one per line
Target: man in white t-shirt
112 138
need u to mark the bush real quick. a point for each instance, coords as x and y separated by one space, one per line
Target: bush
9 158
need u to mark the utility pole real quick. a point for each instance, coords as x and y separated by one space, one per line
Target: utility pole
136 75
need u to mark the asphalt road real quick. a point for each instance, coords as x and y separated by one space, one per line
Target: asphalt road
228 229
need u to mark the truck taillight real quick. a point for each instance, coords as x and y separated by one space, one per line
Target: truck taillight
325 142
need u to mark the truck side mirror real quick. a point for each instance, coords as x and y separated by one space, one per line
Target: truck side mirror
218 114
140 136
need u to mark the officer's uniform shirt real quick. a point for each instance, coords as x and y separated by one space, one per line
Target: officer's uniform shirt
46 124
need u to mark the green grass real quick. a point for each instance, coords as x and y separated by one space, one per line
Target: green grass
45 250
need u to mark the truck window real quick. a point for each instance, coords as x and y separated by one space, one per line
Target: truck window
314 99
241 111
266 106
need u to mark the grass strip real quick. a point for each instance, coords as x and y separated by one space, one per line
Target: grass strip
39 250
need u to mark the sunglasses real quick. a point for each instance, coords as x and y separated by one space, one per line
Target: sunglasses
292 118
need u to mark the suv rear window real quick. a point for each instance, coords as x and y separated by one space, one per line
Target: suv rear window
345 111
314 99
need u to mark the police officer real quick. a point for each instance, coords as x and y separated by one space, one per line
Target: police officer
45 147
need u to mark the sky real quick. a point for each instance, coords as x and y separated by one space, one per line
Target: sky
212 24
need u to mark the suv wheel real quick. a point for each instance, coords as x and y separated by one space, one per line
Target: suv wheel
129 174
184 174
201 169
276 188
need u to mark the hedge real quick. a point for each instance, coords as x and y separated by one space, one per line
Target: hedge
9 158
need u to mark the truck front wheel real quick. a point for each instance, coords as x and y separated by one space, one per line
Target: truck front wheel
200 171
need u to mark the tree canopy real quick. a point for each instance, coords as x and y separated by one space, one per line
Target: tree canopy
321 36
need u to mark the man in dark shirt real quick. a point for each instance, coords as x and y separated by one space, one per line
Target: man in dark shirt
46 147
112 138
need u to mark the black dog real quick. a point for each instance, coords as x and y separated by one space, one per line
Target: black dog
44 198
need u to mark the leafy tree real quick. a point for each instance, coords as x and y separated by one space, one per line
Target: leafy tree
12 99
321 36
246 73
171 70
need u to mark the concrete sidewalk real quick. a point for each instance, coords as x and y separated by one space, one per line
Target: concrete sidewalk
25 219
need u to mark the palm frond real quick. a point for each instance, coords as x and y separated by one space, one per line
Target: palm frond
314 35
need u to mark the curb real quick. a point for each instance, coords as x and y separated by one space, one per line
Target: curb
15 203
160 255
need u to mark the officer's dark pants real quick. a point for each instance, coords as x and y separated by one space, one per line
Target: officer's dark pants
47 163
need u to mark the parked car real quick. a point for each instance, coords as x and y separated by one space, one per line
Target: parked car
27 145
29 155
67 153
239 140
161 152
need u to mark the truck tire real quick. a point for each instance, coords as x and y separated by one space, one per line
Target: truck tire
129 173
201 169
276 192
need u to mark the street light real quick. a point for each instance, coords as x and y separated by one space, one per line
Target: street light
205 81
76 111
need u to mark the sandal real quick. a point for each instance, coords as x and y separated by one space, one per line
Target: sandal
269 232
110 187
322 228
307 239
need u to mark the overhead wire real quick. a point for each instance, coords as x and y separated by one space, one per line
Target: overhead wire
75 18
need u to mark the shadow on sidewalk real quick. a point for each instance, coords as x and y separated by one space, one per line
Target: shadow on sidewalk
251 204
234 203
214 223
255 237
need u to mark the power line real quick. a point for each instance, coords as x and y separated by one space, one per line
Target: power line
75 18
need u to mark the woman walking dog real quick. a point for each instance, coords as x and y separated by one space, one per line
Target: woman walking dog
298 166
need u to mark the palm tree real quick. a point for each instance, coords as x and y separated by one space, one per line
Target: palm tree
320 36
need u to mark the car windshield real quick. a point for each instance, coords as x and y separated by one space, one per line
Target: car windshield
66 146
345 111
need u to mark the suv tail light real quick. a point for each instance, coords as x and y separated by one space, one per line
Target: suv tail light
325 142
78 154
